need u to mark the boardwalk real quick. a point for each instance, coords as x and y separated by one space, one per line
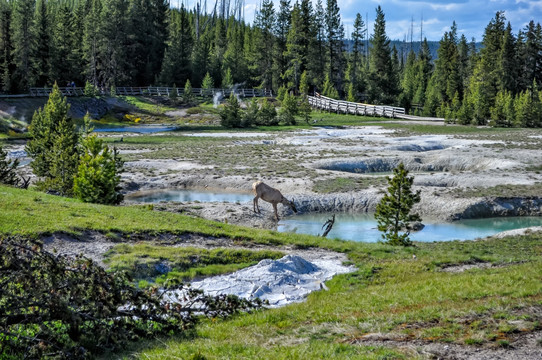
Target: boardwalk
347 107
154 91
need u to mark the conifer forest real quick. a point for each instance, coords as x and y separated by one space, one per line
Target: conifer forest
140 43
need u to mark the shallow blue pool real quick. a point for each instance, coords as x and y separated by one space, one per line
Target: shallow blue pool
136 129
362 227
156 196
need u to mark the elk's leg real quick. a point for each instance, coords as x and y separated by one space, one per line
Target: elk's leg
276 213
255 204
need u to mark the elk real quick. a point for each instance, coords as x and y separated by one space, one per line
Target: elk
271 195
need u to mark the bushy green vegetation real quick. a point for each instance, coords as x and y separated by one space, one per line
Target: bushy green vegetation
68 307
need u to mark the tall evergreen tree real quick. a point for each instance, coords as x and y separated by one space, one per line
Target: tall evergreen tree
317 64
53 145
112 50
298 43
265 22
508 62
383 87
282 26
176 67
43 52
393 212
62 71
423 74
24 44
355 65
6 46
335 45
91 41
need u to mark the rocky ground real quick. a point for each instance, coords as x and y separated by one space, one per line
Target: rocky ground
443 166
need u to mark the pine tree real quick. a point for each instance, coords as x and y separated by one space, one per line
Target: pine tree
408 82
8 176
91 41
423 74
393 212
207 86
282 26
43 44
24 44
227 80
355 64
6 46
264 22
329 90
230 116
53 145
234 57
508 62
288 109
62 46
97 179
304 107
317 63
176 67
383 87
335 45
112 51
188 96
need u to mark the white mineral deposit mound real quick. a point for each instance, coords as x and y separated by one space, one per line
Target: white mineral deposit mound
280 282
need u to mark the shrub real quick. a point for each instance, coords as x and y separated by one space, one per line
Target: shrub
71 308
289 110
268 114
8 176
230 116
97 180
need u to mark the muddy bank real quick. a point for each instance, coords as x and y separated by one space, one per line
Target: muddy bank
443 208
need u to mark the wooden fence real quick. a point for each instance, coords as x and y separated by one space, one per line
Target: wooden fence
154 91
347 107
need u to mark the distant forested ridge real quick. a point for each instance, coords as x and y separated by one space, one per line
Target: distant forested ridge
111 43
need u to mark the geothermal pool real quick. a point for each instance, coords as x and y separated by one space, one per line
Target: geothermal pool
362 227
156 196
143 129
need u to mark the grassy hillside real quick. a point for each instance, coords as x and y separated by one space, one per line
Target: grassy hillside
392 295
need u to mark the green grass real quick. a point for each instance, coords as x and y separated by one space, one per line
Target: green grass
387 295
144 261
31 213
341 184
147 104
390 293
522 191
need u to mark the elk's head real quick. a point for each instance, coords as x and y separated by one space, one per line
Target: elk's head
289 203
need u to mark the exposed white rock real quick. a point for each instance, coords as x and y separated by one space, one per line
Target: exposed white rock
280 282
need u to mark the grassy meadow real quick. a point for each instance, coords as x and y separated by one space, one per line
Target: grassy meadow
397 293
392 293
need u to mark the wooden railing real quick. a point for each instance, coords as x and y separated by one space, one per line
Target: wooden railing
347 107
154 91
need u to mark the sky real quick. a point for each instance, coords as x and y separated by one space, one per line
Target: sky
471 16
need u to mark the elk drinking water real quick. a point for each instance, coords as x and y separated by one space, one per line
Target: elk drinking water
271 195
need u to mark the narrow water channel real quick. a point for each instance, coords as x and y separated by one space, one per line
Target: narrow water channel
362 227
156 196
